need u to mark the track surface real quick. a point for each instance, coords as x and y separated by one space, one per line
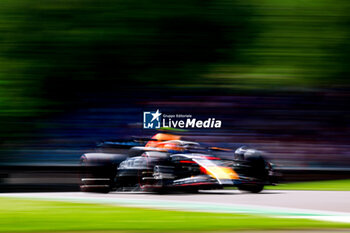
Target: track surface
320 205
313 200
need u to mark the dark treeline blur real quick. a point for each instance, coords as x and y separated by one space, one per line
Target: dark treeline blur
57 54
74 71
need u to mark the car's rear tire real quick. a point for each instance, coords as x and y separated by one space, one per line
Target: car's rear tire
98 172
92 179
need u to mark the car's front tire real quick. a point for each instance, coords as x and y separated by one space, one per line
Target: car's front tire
257 170
252 188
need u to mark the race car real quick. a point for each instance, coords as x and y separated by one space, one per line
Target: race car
172 166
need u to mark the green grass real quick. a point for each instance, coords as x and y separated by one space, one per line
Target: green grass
332 185
20 215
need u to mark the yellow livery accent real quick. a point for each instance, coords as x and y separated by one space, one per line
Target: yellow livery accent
222 173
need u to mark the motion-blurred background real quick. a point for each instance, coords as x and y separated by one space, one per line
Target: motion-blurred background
73 72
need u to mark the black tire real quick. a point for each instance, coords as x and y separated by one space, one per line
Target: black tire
257 170
252 188
98 172
91 178
257 167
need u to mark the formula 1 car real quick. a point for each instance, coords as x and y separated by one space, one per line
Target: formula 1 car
172 166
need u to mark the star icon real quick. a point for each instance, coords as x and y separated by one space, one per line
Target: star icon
156 115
